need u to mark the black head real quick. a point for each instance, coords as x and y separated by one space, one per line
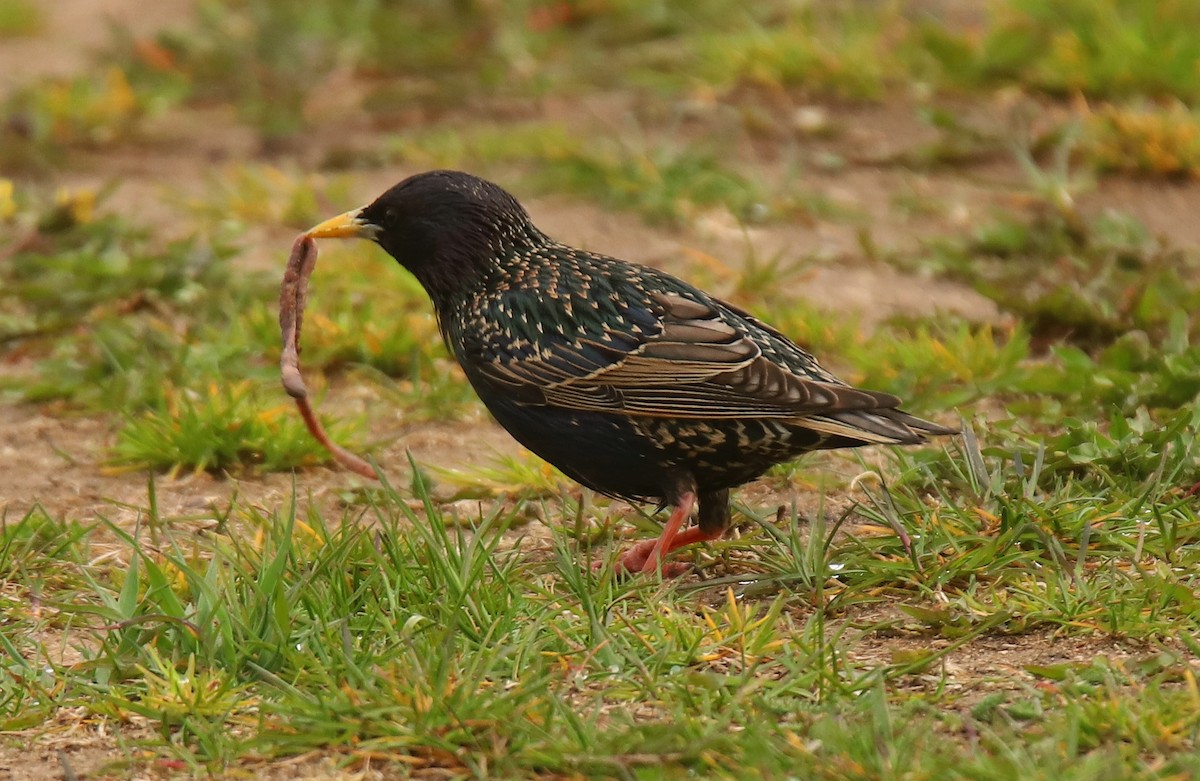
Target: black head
448 228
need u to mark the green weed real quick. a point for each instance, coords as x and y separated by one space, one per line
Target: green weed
430 644
854 636
1103 48
662 180
218 428
1088 283
843 52
117 321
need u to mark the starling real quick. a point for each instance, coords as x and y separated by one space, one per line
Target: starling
631 381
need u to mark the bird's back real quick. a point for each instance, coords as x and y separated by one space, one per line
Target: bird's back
618 373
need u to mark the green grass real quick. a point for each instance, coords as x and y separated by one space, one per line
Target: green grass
1106 277
116 321
650 174
418 638
277 63
288 68
833 51
1101 48
407 640
1017 602
218 428
19 18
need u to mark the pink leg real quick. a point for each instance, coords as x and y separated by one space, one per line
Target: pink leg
665 542
692 536
649 555
684 538
638 559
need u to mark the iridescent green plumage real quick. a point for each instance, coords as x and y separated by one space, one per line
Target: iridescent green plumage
629 380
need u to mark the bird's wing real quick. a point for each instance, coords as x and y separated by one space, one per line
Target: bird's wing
686 359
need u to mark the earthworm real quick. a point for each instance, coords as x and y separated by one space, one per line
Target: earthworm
293 295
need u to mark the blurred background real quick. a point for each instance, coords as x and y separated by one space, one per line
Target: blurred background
988 208
931 192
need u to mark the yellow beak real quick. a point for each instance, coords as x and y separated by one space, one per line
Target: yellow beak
343 226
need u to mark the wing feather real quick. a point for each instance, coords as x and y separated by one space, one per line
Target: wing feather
687 359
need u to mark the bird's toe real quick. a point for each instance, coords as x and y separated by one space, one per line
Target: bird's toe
639 560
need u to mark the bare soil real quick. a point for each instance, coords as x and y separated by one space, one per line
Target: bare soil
56 459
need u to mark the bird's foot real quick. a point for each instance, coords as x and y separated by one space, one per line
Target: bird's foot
640 559
648 556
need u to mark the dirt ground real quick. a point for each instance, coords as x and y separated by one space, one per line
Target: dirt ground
54 459
57 460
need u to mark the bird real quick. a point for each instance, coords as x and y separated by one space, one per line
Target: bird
631 381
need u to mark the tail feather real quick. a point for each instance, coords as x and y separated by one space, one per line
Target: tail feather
924 427
875 427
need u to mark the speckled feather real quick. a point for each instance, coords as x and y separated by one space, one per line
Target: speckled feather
623 376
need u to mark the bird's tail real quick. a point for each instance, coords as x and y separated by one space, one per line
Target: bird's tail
875 427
